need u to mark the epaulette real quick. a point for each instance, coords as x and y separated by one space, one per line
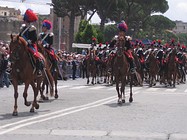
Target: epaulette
128 37
51 34
22 26
32 28
40 34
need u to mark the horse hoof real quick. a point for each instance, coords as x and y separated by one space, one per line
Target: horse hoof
27 103
119 102
15 114
32 110
130 100
123 101
56 96
37 106
46 98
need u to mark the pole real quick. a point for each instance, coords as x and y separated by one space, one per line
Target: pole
59 33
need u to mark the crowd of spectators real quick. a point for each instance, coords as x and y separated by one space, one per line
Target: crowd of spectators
71 65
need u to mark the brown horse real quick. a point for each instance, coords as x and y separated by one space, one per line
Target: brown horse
23 69
152 63
121 68
91 68
54 72
171 68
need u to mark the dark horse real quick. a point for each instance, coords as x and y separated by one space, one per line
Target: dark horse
121 68
54 72
23 69
153 68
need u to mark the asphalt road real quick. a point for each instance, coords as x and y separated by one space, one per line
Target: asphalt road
91 112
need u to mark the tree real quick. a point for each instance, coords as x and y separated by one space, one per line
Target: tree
105 10
71 9
79 35
88 33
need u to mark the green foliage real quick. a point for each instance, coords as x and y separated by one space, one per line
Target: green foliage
182 38
110 31
85 34
159 23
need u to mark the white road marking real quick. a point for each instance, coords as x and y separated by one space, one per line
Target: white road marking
152 89
170 90
62 87
55 116
97 87
78 87
60 113
56 112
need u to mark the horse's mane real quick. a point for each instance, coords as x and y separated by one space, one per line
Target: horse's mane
22 41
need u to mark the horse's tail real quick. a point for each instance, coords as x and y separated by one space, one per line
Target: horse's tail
50 81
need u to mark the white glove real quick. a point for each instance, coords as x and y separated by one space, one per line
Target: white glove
29 42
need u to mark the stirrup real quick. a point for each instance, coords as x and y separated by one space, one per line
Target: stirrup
132 70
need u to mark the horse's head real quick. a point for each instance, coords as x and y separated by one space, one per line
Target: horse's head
17 47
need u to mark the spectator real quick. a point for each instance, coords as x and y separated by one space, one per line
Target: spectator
74 68
3 72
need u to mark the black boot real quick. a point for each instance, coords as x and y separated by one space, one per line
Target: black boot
39 67
132 66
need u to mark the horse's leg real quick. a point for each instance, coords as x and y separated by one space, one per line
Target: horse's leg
150 80
123 89
25 94
42 96
174 78
15 85
87 76
56 82
35 89
50 81
117 89
131 81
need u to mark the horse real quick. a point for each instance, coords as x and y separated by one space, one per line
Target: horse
153 68
54 72
121 69
171 68
23 69
91 68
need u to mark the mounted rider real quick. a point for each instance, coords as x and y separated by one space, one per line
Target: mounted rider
28 32
160 55
122 26
46 39
92 51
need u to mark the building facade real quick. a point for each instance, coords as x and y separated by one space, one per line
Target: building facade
9 12
181 27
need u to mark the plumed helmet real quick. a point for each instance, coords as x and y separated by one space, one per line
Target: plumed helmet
47 24
159 41
122 26
94 39
30 16
183 46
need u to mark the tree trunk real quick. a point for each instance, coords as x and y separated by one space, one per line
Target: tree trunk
102 24
71 31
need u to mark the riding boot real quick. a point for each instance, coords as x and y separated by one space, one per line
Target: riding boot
132 66
55 65
39 67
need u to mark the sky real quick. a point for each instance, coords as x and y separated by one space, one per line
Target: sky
177 8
